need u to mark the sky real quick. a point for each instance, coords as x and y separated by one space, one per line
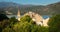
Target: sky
32 2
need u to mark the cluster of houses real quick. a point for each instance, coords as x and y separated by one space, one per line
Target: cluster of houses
36 18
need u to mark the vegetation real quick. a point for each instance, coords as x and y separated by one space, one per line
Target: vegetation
3 17
26 24
54 23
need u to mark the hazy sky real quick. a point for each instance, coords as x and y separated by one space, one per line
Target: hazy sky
33 2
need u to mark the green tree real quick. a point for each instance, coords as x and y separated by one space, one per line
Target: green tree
25 18
8 24
3 17
27 25
54 23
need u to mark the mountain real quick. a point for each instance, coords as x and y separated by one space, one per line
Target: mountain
50 9
54 8
12 7
40 9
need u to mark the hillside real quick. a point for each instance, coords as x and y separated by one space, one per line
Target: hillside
40 9
45 10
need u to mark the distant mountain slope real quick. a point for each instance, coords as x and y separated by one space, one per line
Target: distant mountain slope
55 8
46 10
42 10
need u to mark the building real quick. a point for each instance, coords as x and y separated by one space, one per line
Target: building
18 15
38 18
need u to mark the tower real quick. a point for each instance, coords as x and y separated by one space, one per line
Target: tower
18 15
